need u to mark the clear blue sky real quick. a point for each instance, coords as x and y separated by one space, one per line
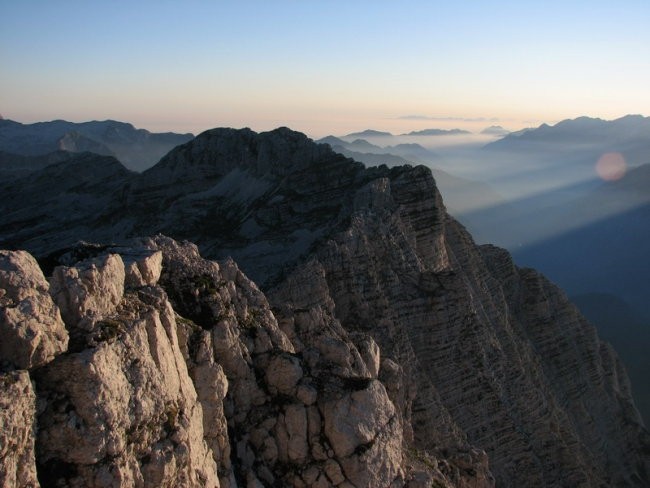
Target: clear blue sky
323 66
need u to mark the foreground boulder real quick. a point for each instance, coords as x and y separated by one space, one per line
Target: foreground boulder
31 330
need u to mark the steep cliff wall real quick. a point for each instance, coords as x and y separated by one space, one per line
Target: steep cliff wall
498 355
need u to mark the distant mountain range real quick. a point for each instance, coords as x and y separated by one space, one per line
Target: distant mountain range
582 139
495 130
437 132
411 152
137 149
583 218
582 130
369 133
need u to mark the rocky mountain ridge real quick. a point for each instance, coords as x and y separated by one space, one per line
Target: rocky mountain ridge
377 296
117 388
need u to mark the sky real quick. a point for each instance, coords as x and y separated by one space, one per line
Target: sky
323 67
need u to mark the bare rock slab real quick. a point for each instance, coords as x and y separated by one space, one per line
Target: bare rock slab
31 330
17 427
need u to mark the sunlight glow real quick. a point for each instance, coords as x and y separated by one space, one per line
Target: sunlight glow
611 166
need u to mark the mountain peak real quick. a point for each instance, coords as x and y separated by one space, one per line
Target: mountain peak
495 130
332 141
369 133
216 152
437 132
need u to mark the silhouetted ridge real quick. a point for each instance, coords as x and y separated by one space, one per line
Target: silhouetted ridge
216 152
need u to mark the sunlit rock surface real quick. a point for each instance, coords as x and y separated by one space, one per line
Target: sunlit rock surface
31 330
17 430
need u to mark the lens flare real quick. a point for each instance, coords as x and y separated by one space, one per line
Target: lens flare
611 166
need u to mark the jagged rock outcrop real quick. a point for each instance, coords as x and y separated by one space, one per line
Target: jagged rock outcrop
118 408
386 350
186 378
31 330
297 415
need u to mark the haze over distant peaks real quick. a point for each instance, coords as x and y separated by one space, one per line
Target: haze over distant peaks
437 132
137 149
332 141
369 133
495 130
366 152
582 130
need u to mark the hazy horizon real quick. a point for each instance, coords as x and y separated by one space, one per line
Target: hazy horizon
399 131
323 68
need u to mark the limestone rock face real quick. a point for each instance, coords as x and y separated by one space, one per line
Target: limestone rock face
488 346
290 386
17 426
141 268
31 330
352 421
122 410
89 290
190 380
